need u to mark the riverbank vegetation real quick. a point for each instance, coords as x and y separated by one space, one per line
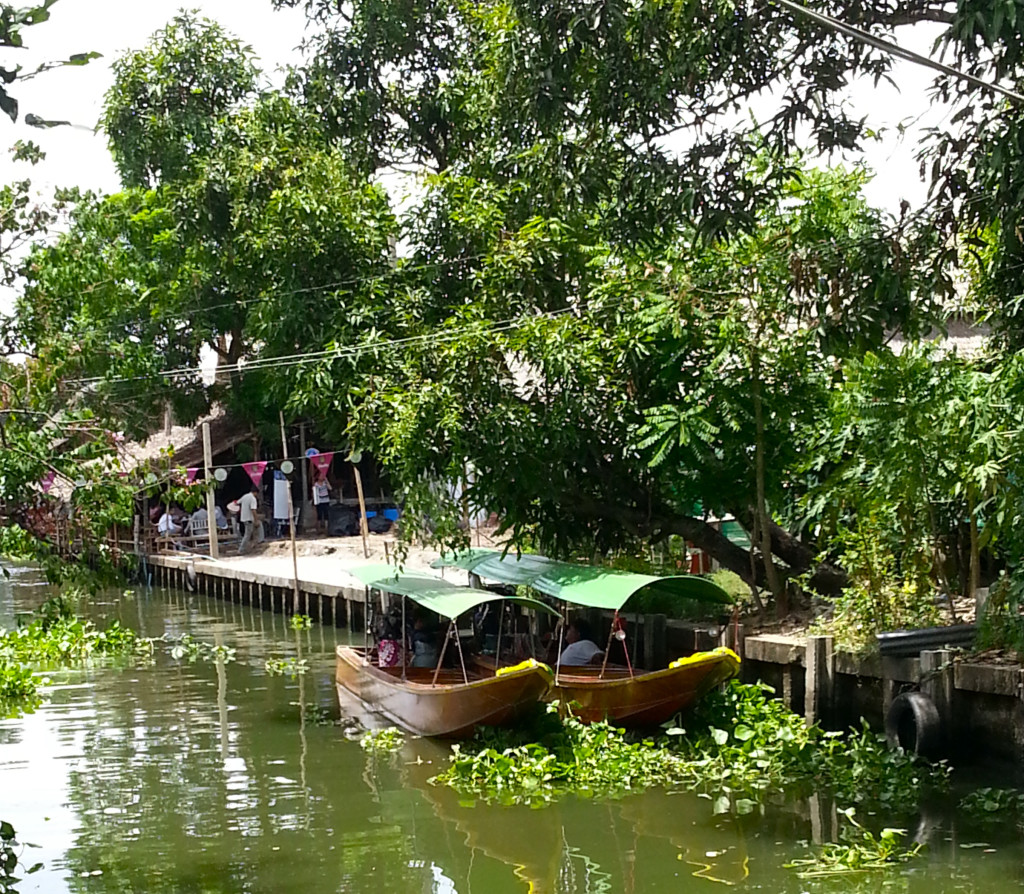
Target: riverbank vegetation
612 338
53 637
739 747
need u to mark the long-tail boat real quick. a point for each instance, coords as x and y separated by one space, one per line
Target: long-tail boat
445 702
623 695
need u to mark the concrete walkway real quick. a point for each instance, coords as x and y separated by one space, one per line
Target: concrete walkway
324 560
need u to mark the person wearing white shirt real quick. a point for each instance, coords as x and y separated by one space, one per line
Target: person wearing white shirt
581 649
167 526
247 518
322 501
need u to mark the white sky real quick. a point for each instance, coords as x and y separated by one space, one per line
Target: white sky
76 156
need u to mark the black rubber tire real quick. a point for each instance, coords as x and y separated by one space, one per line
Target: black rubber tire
913 724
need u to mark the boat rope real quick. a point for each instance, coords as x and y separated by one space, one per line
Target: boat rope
558 660
620 634
616 631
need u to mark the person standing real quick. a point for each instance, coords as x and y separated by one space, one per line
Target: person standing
322 502
247 517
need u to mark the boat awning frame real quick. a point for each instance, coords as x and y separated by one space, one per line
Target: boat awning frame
443 597
586 585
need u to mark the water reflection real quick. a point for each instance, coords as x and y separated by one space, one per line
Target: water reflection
214 777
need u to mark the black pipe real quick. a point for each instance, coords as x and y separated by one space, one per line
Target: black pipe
910 643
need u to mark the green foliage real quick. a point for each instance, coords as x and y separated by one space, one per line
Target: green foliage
13 22
318 715
733 584
861 851
52 637
169 101
993 804
266 214
17 543
55 635
878 599
593 760
300 622
385 740
1001 625
19 688
740 746
916 468
741 740
186 647
8 857
10 851
663 327
292 667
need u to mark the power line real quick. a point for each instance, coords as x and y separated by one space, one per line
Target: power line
894 49
298 359
178 311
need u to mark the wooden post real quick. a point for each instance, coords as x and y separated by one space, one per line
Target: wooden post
362 511
305 502
655 642
291 522
211 503
820 667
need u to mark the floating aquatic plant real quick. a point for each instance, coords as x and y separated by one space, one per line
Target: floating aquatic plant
737 748
383 740
861 851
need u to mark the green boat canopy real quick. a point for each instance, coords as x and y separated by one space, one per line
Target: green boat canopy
585 585
446 599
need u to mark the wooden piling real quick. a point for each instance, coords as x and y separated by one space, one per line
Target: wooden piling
655 641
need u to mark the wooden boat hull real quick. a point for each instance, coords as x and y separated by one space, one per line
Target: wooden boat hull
452 708
649 697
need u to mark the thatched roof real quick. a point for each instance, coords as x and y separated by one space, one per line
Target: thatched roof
183 444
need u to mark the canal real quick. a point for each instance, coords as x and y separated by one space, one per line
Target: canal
208 776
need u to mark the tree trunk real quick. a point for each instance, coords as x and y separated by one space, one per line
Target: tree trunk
772 575
974 579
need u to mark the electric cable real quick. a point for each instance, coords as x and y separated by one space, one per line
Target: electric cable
896 50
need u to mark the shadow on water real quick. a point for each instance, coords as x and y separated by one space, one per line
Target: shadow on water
220 777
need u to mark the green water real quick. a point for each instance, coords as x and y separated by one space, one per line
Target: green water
219 778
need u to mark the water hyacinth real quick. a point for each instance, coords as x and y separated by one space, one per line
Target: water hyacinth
739 746
54 637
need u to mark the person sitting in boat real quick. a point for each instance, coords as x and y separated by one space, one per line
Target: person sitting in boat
581 649
423 642
389 634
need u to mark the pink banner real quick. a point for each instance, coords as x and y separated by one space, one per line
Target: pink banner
190 474
47 481
322 462
255 470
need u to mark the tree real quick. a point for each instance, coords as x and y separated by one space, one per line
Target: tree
171 100
264 246
602 395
